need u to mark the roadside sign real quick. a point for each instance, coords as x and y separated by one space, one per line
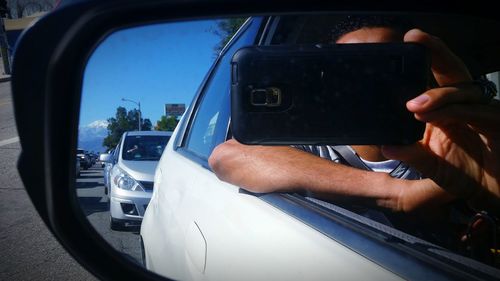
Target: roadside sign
174 109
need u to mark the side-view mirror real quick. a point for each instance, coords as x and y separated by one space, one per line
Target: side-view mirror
105 157
161 212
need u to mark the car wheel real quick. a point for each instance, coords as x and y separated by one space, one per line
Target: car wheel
116 224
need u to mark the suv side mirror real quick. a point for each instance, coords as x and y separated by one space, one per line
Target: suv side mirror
105 157
69 35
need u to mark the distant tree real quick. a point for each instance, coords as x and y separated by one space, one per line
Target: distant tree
132 116
166 123
225 29
122 122
146 125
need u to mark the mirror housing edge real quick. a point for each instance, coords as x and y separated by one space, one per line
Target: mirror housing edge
69 34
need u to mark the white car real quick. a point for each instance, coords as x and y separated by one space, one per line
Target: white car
131 177
200 228
107 164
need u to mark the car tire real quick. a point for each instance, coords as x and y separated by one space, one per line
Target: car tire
115 224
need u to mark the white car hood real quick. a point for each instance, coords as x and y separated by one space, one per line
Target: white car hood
139 170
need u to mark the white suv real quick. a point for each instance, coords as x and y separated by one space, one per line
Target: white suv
198 227
131 178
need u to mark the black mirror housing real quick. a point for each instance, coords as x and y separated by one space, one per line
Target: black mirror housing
46 84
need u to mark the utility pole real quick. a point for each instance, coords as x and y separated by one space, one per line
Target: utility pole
139 105
139 112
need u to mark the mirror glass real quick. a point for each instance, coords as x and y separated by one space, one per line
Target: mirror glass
147 73
160 204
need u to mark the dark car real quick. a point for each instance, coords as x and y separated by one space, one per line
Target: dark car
85 161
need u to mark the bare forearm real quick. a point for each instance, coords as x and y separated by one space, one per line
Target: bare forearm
271 169
339 182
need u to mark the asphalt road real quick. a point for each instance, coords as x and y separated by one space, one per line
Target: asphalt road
94 203
28 251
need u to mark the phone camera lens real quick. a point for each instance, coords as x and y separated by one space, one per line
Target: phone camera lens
269 97
259 97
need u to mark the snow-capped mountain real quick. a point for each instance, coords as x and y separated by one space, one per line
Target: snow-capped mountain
90 137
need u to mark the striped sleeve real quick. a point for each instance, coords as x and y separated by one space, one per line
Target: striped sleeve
323 151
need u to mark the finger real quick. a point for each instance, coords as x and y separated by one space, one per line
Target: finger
447 67
438 97
485 119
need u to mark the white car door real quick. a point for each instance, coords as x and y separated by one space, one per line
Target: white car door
198 227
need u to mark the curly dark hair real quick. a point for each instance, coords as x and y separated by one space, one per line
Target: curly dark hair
355 22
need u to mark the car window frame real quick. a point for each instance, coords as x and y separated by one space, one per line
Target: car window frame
116 152
186 124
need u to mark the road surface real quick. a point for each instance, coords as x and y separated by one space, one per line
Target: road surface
28 250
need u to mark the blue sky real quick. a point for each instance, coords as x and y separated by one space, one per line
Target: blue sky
154 64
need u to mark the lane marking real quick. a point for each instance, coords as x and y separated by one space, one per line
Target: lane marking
9 141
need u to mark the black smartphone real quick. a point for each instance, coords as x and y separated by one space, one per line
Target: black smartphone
332 94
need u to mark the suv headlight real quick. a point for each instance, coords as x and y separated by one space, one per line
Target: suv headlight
124 181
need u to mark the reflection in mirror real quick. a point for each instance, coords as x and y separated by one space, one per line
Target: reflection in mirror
180 210
137 79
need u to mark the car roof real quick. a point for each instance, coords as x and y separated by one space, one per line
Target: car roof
148 133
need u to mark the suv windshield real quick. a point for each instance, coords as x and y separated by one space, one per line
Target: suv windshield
80 151
144 148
